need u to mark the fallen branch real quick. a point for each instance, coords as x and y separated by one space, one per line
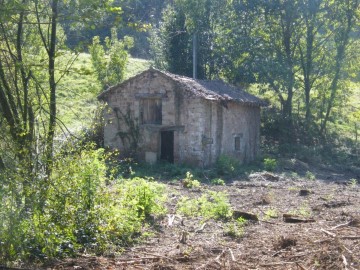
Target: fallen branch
344 261
217 259
301 267
156 255
350 237
171 220
232 255
201 228
296 219
341 225
328 233
248 216
278 263
134 260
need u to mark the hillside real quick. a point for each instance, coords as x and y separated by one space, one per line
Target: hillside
78 90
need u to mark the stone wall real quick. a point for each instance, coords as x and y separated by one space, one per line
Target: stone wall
203 129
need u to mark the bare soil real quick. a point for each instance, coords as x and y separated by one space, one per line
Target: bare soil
302 224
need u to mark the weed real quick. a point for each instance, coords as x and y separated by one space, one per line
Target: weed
210 205
293 188
304 211
294 175
144 196
190 182
227 166
217 182
270 164
353 182
188 207
310 176
271 213
235 229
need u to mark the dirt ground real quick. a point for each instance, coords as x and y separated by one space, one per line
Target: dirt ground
301 224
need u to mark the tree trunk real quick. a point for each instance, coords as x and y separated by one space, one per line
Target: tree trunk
2 164
52 85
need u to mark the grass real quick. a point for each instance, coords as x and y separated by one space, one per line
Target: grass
78 89
135 66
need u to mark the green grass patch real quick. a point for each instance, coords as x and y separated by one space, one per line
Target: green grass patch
78 88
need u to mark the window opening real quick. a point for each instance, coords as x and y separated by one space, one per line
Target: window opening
151 111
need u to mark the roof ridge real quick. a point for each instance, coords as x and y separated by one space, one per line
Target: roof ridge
216 90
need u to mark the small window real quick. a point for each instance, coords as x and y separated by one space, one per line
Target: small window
151 111
237 143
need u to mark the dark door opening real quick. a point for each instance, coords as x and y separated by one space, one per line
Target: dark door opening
167 146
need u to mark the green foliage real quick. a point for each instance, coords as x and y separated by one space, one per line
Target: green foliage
62 214
310 176
217 182
235 229
271 213
126 205
353 182
227 166
270 164
109 61
74 209
303 210
210 205
190 182
144 196
174 37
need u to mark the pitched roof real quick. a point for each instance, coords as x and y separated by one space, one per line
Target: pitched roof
216 90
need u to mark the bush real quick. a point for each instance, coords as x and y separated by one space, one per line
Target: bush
217 182
125 207
190 182
210 205
52 217
310 176
270 164
227 166
235 229
74 209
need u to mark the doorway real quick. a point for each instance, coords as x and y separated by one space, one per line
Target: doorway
167 146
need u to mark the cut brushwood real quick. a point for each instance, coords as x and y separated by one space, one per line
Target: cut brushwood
296 219
245 215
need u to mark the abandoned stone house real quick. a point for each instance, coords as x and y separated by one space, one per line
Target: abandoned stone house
162 116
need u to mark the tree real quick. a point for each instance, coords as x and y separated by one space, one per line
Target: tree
295 48
109 61
267 39
343 17
31 39
172 42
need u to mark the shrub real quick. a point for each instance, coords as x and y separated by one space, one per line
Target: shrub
235 229
125 207
270 164
59 216
217 182
74 209
144 196
227 166
190 182
210 205
309 175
